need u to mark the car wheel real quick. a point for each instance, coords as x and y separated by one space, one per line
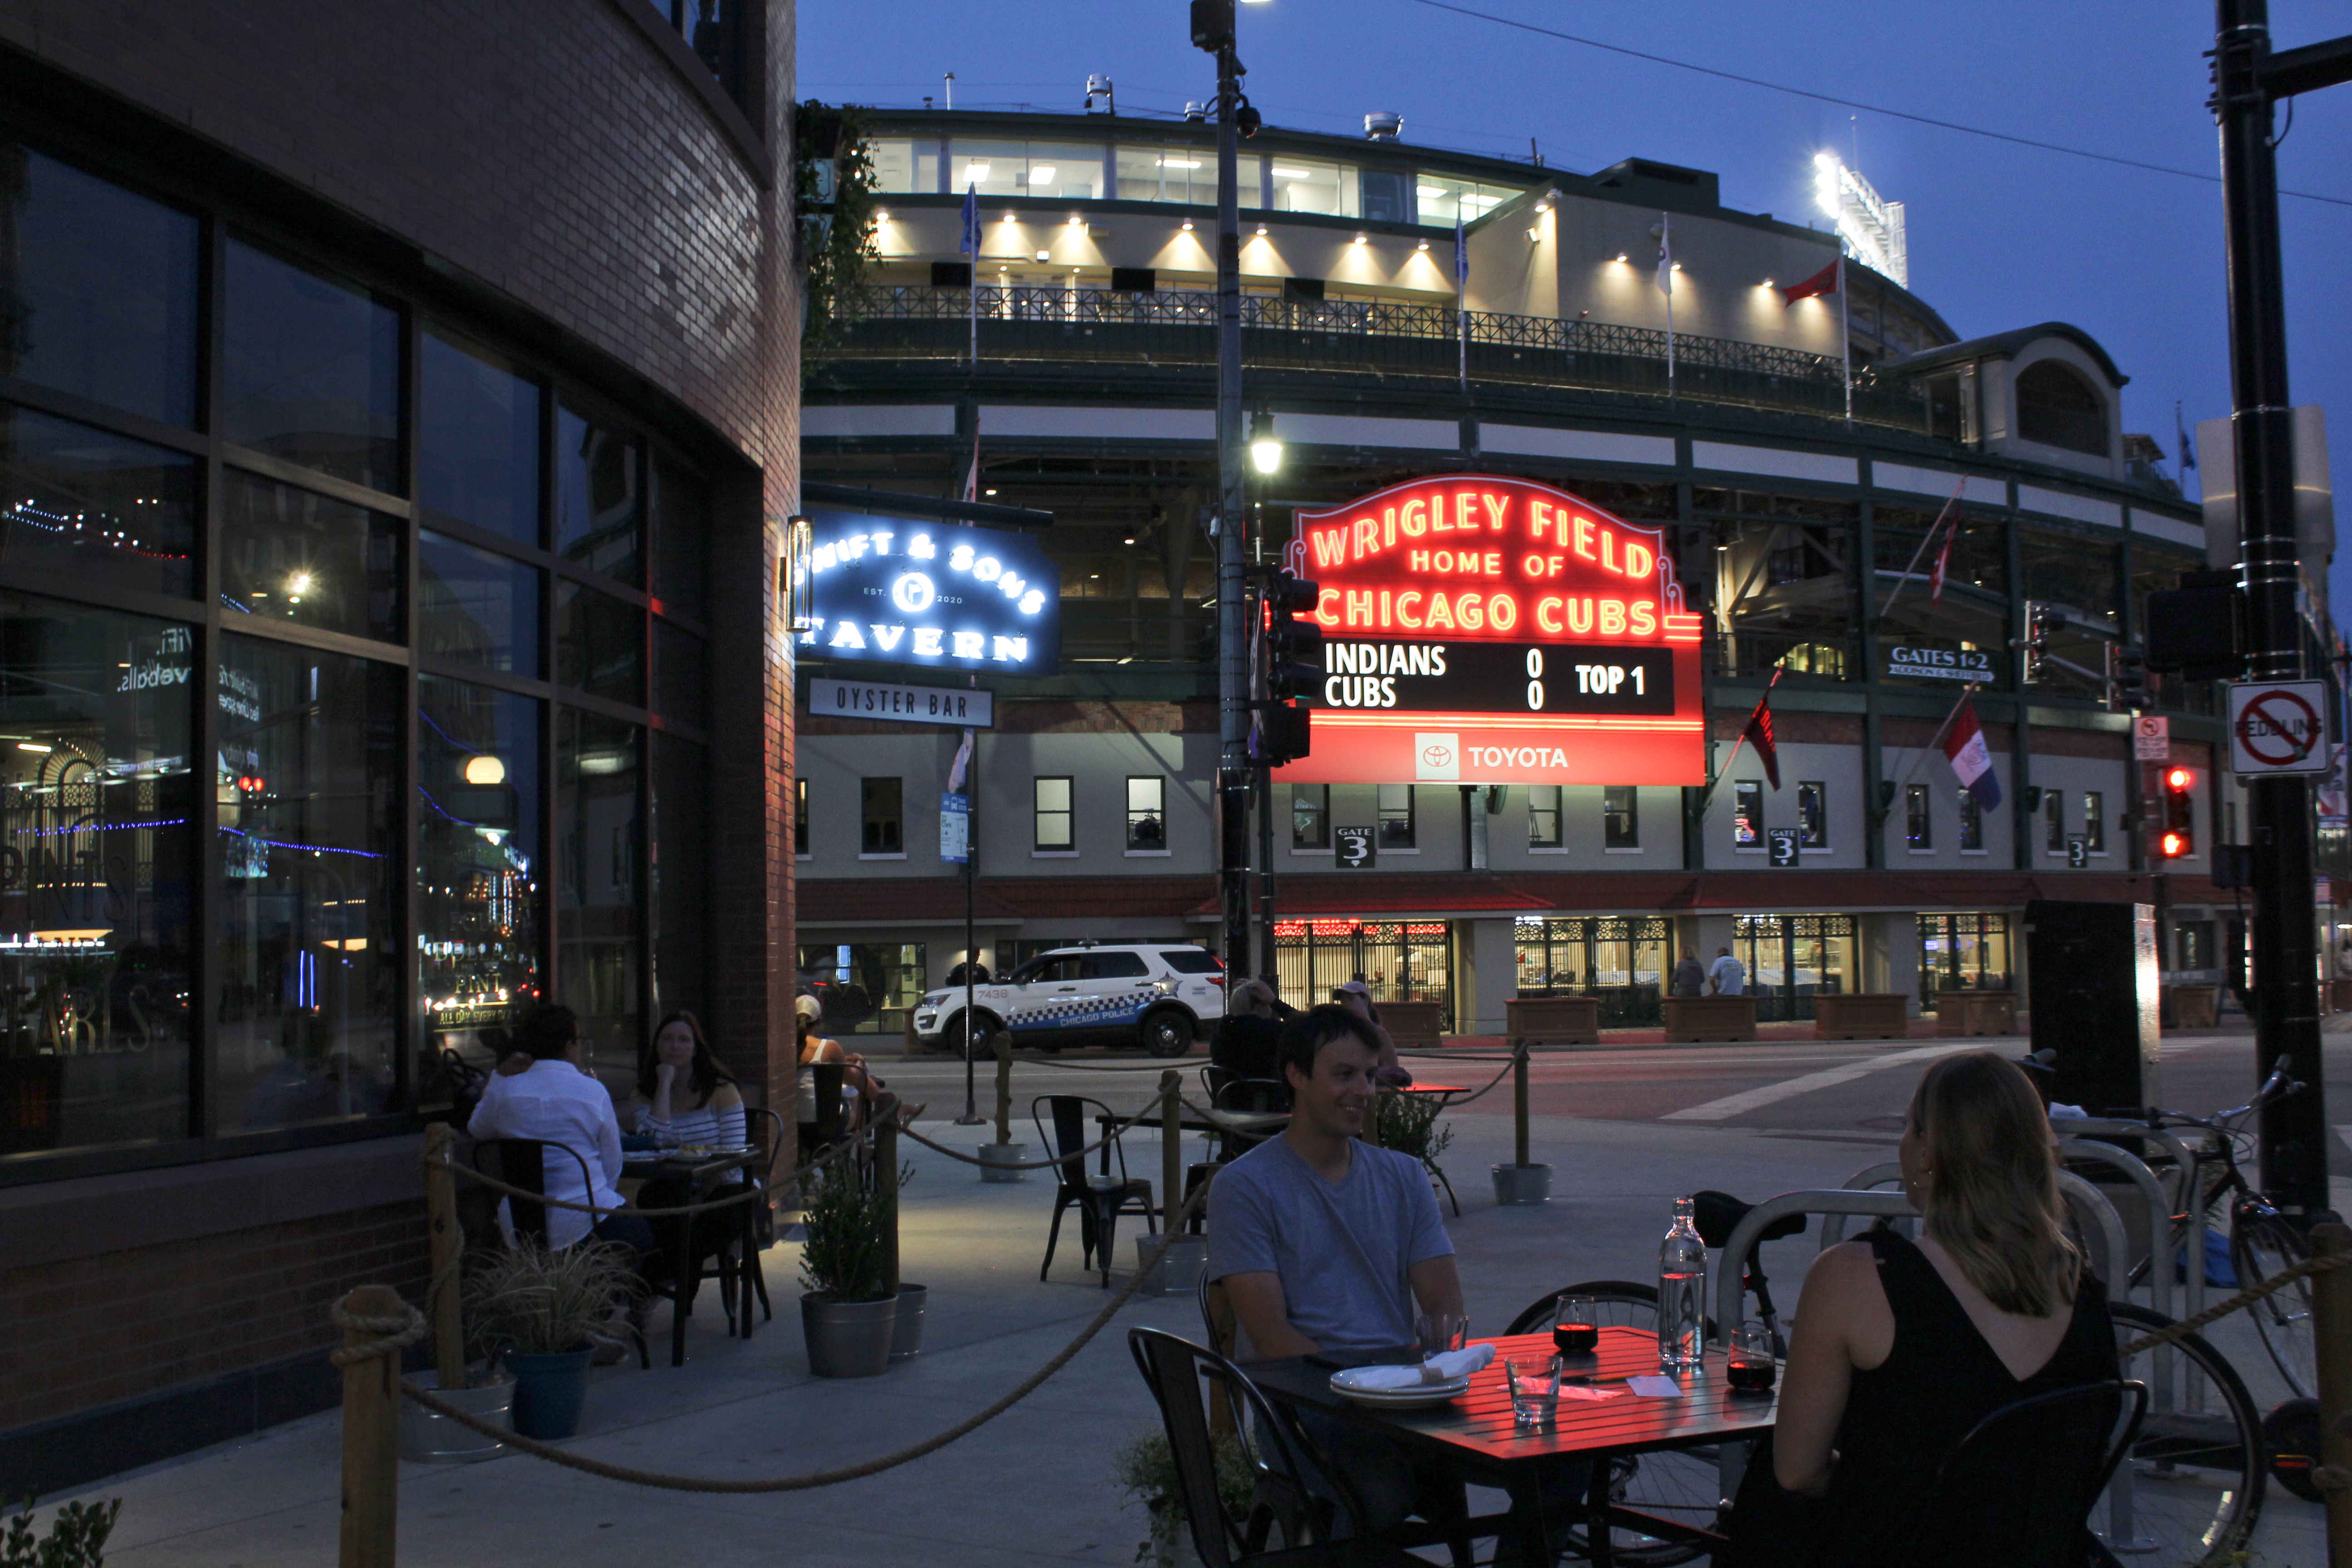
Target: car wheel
1167 1032
984 1032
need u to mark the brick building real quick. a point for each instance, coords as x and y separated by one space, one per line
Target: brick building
398 407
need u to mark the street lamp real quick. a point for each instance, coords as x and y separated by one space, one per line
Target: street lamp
1265 445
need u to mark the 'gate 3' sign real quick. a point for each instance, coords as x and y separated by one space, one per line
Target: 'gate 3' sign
1487 630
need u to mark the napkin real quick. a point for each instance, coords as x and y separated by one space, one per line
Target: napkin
1585 1391
1655 1387
1448 1366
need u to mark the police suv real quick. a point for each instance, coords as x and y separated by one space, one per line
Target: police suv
1152 994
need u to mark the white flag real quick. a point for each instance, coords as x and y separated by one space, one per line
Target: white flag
962 761
1666 233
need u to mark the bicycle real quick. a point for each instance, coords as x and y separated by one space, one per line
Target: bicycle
2199 1476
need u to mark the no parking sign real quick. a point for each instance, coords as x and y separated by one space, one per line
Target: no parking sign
2278 727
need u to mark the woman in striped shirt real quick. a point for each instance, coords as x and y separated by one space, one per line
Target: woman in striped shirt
686 1098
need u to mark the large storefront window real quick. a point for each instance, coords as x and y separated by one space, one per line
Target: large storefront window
98 836
597 908
681 902
1398 960
1791 959
102 508
1620 960
293 557
479 879
477 606
867 987
477 451
310 370
599 495
1967 952
305 805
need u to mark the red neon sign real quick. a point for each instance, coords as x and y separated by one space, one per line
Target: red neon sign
1481 629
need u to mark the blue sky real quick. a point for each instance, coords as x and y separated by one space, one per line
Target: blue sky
2000 235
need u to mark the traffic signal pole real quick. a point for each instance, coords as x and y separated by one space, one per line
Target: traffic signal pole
2247 81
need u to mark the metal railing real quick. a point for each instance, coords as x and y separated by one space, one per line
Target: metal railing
1169 328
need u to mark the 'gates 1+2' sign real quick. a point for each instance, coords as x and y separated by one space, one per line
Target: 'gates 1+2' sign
1487 630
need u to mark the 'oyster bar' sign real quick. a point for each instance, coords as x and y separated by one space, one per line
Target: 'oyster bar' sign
1487 630
1970 664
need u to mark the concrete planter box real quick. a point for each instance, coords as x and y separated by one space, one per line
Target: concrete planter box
2191 1006
1554 1020
1412 1023
1692 1018
1179 1273
1516 1184
1861 1015
996 1161
1960 1015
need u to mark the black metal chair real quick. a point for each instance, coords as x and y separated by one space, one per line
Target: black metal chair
2043 1462
831 1127
1174 1370
1248 1096
1099 1207
522 1163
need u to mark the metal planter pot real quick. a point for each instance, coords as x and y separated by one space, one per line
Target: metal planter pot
1522 1185
428 1437
906 1338
848 1339
995 1159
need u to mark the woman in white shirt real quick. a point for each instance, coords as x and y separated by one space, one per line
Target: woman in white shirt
686 1099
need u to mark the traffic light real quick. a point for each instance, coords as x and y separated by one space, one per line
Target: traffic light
2042 620
2127 686
2177 835
1212 25
1291 656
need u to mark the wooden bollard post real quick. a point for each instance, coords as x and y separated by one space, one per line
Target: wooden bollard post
2331 1312
1519 1102
1172 1148
1002 1041
885 1183
447 1239
370 1435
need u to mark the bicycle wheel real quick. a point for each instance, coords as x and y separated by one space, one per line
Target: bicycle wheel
2197 1470
1683 1485
2261 1246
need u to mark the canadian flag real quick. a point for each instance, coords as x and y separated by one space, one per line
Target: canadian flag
1972 759
1825 281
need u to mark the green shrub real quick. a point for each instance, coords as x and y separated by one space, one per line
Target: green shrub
1408 1125
1146 1469
77 1537
844 1218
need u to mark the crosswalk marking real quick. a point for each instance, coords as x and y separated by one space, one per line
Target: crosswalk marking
1749 1099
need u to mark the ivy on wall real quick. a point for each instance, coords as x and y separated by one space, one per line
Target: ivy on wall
833 192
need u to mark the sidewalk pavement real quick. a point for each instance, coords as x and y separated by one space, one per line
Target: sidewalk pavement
1033 1487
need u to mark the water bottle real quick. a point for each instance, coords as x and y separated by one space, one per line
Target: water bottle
1682 1294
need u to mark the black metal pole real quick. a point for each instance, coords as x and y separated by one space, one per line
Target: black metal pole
2294 1130
971 1116
1232 632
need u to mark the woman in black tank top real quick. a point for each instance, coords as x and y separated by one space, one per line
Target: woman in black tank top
1899 1349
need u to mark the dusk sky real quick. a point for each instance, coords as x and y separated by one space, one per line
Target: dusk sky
2000 235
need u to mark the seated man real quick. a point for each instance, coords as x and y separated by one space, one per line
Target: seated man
543 1093
1248 1039
1325 1243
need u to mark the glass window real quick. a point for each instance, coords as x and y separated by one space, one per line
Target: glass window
681 539
479 875
1441 200
1971 821
2095 821
98 819
1308 185
799 816
1543 818
1177 174
1621 817
880 802
904 163
1053 171
99 507
1063 171
310 370
1396 826
1387 195
866 987
2196 944
681 858
305 791
2056 407
2053 819
1814 815
600 644
1748 814
1310 816
477 606
478 442
1191 961
2082 580
1147 814
1051 805
100 288
678 684
599 495
293 556
1112 967
1918 825
596 846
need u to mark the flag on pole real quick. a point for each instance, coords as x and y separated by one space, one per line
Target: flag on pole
2180 439
971 474
1665 256
962 761
1461 255
971 228
1972 759
1759 735
1943 560
1825 281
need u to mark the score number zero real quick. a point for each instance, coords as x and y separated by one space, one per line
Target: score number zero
1600 679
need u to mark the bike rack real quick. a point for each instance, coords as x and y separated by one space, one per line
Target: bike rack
2189 1166
2093 1214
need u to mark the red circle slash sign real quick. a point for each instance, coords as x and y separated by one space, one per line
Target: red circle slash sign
2278 729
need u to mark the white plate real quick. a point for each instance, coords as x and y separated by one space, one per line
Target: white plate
1412 1396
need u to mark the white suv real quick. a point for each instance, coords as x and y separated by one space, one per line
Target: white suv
1153 995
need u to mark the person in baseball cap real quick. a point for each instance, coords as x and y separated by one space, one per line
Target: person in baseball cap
1357 998
863 1097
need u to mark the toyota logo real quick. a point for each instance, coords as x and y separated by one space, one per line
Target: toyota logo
1437 756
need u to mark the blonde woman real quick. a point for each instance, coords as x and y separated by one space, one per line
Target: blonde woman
1899 1349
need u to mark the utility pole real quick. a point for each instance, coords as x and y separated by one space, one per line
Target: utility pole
1213 30
2247 80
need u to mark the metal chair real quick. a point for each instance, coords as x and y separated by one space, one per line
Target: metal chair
1099 1207
1247 1097
522 1163
2046 1459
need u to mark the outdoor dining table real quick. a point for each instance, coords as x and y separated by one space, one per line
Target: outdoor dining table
1262 1123
697 1172
1475 1437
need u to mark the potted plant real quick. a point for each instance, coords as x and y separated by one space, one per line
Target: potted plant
849 1314
543 1314
1146 1469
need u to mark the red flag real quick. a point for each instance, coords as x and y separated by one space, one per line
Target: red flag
1825 281
1943 559
1759 735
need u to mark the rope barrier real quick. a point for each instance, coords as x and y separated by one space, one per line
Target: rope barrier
666 1211
971 1424
1509 1063
2244 1298
1103 1143
399 1333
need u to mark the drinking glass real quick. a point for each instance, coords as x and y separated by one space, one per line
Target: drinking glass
1750 1368
1535 1389
1437 1333
1575 1328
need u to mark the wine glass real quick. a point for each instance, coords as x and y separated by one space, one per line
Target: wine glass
1750 1368
1575 1327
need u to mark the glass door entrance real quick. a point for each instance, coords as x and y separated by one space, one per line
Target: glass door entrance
1791 959
1618 959
1963 952
1398 960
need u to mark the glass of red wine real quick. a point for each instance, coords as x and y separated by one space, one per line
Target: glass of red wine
1750 1368
1575 1328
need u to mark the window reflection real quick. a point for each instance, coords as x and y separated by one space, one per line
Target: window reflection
98 288
597 834
304 805
599 495
310 370
104 508
475 605
681 535
478 440
97 854
292 555
681 901
600 644
479 877
679 675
